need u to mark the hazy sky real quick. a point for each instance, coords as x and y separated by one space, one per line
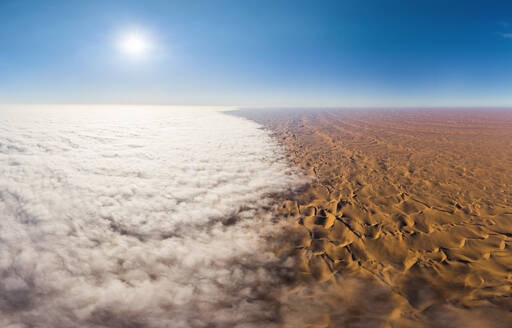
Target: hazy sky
254 53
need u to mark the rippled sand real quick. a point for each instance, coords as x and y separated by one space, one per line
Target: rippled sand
408 220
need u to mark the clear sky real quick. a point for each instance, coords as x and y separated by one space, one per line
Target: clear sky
258 53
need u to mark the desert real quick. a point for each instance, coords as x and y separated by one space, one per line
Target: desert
413 205
255 164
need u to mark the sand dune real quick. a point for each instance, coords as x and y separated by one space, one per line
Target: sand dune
408 220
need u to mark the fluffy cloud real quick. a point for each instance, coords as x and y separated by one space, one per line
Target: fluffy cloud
137 217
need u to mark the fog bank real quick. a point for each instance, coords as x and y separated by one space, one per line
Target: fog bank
137 217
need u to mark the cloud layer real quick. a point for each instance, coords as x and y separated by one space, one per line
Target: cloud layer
136 217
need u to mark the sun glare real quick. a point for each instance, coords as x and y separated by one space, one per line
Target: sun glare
134 44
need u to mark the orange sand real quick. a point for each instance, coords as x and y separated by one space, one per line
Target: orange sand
408 220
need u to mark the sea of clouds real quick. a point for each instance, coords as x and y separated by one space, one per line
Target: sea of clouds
137 217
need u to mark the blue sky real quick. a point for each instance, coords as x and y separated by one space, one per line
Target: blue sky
259 53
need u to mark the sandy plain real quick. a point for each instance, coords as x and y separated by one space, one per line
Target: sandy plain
407 221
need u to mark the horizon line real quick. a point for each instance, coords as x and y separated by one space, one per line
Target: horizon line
270 106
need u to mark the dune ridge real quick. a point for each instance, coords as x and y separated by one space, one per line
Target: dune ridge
408 220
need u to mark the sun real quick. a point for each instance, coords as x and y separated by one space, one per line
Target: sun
134 44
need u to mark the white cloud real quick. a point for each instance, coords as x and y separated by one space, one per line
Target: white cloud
119 217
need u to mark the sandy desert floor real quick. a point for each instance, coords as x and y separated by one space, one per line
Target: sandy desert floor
407 221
